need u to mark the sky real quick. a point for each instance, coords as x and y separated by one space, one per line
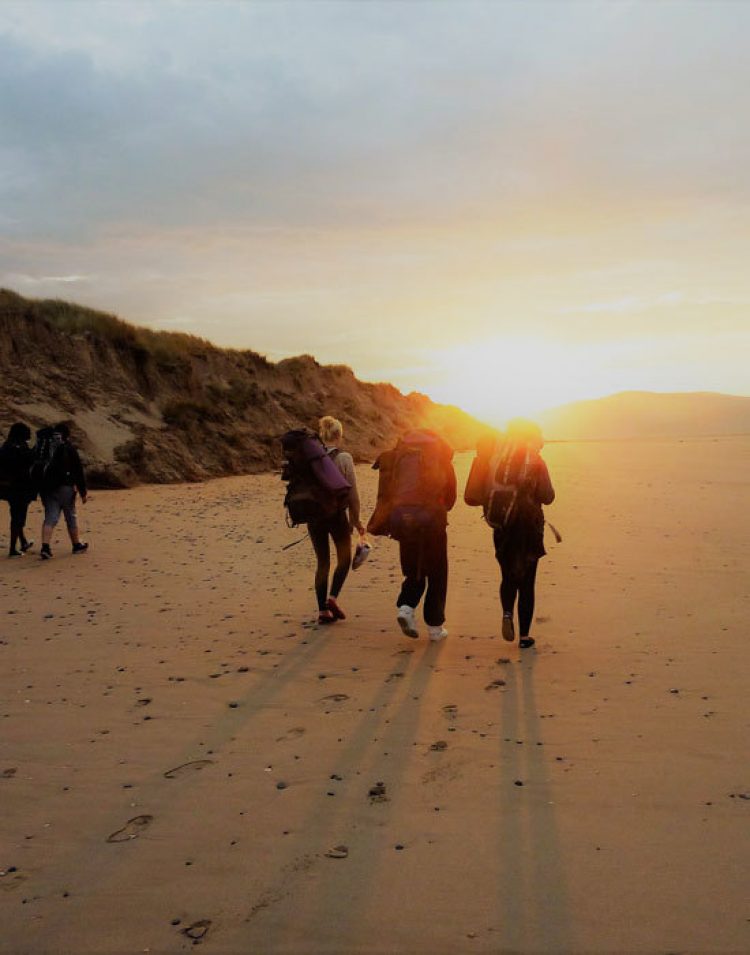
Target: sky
505 205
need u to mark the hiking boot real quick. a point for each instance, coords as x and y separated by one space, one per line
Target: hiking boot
406 621
27 546
508 630
436 634
45 553
80 547
333 606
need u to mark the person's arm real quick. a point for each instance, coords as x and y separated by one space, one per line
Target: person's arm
544 492
346 465
78 476
450 491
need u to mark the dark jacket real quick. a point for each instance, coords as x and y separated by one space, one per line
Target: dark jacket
522 541
65 470
15 464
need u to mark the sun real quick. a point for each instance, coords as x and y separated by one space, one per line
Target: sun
502 378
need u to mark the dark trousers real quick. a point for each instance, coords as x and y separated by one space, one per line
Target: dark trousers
424 563
518 585
19 508
337 527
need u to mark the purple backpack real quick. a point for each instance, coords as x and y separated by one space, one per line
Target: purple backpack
316 489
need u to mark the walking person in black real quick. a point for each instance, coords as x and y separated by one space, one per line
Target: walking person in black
62 481
15 464
520 545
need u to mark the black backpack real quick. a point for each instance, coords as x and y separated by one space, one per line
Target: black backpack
508 473
316 489
50 466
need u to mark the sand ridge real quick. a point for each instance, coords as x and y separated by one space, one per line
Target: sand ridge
186 759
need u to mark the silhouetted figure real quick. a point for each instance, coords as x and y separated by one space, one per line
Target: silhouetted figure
517 484
16 458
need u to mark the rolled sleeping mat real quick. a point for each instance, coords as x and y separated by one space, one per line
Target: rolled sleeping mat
323 467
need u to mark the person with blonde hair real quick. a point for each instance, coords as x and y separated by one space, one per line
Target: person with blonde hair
339 528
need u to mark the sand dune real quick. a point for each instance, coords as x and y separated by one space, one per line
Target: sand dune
648 414
185 759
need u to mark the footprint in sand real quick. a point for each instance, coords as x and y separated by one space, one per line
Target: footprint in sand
393 676
197 929
377 793
133 828
441 774
11 880
184 768
337 852
8 773
334 698
450 710
294 733
495 685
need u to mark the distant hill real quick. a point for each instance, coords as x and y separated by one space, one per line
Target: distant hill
158 406
647 414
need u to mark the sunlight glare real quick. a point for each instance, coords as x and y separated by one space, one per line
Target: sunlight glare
503 378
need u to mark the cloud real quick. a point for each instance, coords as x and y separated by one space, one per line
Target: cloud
627 304
329 113
339 177
20 280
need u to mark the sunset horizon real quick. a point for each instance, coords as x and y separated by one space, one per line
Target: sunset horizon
508 209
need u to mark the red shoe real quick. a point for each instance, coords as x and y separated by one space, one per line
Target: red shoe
326 616
338 613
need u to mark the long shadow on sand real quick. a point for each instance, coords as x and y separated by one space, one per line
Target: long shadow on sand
329 820
533 901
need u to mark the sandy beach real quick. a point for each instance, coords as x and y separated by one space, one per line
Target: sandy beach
185 759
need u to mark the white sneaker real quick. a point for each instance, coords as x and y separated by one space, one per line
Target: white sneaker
436 634
406 621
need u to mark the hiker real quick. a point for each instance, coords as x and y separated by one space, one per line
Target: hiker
516 485
16 486
339 527
60 474
416 489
